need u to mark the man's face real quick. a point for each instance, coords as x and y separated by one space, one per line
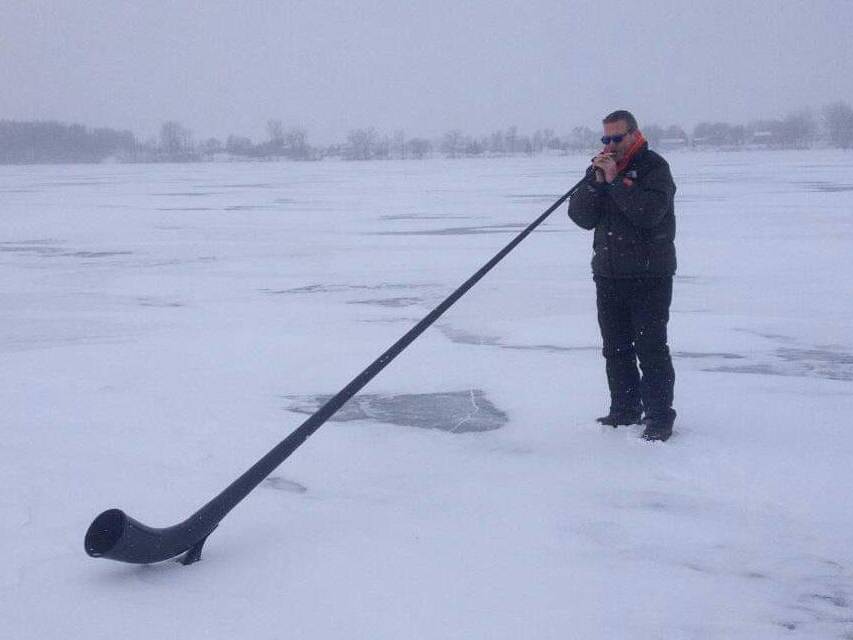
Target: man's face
618 128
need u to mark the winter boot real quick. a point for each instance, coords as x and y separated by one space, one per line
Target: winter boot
657 430
618 418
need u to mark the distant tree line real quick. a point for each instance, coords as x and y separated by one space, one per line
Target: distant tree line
54 142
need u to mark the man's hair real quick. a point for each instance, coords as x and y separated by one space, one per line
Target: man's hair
623 115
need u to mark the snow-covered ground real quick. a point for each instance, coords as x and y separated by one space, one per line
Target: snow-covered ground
161 327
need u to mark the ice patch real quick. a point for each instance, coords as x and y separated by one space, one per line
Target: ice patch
283 484
464 231
390 302
453 411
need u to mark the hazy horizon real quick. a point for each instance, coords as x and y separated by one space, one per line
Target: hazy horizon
423 68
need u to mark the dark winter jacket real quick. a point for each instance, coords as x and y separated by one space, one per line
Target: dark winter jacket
633 218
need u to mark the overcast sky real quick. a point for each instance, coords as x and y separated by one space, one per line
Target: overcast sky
424 66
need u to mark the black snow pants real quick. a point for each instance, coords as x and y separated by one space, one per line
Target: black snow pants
633 314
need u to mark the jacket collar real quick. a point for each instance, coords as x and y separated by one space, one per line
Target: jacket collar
639 147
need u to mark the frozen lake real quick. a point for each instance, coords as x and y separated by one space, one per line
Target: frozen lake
165 325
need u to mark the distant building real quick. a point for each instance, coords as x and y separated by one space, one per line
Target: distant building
673 143
763 139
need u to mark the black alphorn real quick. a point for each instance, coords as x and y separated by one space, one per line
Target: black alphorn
117 536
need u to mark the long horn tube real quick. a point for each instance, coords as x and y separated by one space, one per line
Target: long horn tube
117 536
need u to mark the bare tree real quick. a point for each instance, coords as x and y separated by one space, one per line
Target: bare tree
362 144
654 133
839 124
398 144
295 141
383 148
275 145
238 145
452 143
542 139
797 130
474 147
275 131
175 140
497 144
419 147
511 139
582 139
210 146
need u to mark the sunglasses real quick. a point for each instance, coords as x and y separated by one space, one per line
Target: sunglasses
613 139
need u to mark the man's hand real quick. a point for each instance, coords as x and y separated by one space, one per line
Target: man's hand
607 165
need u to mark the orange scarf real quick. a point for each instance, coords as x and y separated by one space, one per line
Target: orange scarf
639 141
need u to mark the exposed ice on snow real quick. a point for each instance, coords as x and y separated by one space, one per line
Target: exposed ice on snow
283 484
828 187
830 363
43 249
390 302
425 216
336 288
453 411
462 231
707 354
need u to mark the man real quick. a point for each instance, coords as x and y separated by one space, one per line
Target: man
628 199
